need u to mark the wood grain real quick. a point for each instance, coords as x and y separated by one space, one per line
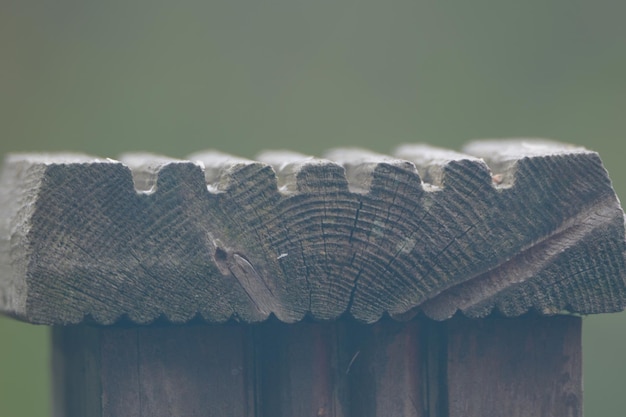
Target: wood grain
526 367
511 226
153 371
387 370
301 370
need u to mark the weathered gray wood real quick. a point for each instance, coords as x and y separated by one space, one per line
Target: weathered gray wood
524 367
519 226
153 371
316 214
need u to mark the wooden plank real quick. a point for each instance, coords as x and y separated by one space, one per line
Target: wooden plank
507 226
120 375
154 371
526 367
387 370
76 370
301 370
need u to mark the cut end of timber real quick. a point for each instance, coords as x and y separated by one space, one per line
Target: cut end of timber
508 226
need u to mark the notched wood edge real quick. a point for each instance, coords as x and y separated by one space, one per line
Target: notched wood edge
342 168
313 175
299 173
365 170
511 160
436 165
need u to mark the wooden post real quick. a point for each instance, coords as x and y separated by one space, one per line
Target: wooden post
528 366
153 371
423 284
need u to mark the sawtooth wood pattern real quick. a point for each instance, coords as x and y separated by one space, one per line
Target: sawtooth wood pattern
507 226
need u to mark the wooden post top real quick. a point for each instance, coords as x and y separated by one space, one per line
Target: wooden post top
508 226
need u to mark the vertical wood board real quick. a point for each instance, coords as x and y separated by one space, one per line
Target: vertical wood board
76 367
154 372
387 370
527 367
302 370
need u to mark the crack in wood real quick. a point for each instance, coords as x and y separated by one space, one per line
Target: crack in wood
357 233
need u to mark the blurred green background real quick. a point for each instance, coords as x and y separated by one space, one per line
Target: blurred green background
242 76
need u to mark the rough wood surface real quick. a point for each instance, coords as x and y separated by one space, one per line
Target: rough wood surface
153 371
512 226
